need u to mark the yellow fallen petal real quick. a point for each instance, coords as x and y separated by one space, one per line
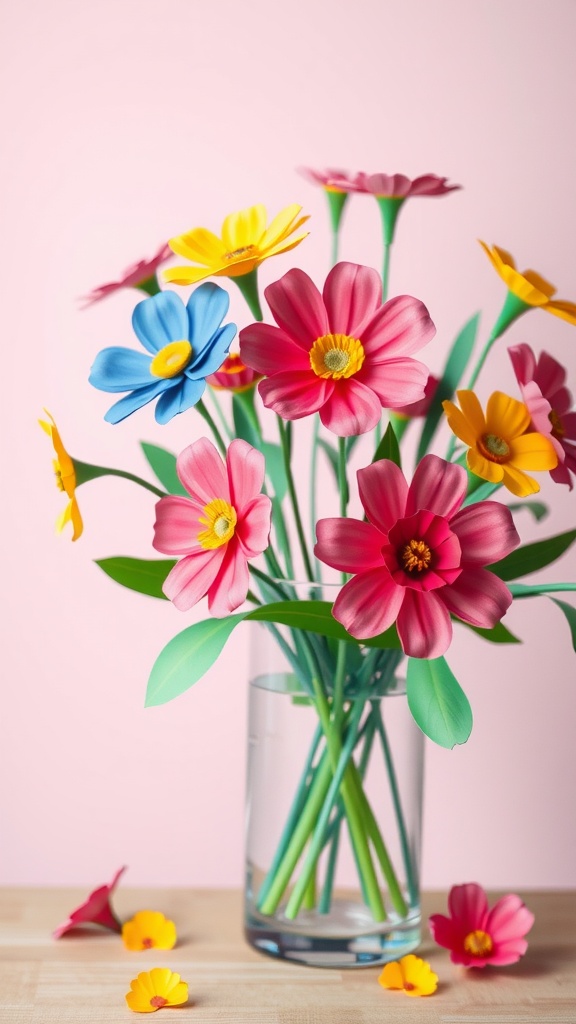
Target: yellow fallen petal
391 976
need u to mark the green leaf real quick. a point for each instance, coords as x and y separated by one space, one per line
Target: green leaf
332 455
570 613
438 704
163 464
531 557
538 509
143 575
316 617
499 634
245 419
187 657
275 468
389 447
453 371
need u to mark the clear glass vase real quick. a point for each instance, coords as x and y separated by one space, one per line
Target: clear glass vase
334 803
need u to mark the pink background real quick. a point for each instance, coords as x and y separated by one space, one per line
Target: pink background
127 122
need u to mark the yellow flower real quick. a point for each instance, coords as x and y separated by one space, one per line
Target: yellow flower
65 480
499 449
245 243
411 974
529 287
149 929
152 990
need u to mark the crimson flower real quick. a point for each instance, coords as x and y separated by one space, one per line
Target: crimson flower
549 402
95 910
394 186
340 353
138 275
224 522
420 558
476 935
233 375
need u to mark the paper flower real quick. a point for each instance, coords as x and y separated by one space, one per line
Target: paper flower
528 288
499 449
149 929
420 558
342 354
233 375
224 522
549 402
396 186
327 177
244 244
95 910
152 990
411 975
477 936
185 343
65 480
139 275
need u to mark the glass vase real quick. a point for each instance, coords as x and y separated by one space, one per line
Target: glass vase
334 802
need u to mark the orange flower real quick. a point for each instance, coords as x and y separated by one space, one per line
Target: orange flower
411 975
149 929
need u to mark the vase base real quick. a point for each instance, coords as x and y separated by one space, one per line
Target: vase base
315 942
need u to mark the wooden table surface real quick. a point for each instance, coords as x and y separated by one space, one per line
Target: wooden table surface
84 976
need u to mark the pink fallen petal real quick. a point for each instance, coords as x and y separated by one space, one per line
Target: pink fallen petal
509 919
351 293
507 953
468 905
424 625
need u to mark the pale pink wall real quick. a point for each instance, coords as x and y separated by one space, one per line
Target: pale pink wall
128 122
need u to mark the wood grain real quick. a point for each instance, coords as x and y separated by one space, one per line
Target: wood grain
84 976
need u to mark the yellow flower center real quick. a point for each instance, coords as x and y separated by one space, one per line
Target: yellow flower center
558 430
171 359
58 473
220 521
237 254
416 555
494 448
158 1002
336 356
478 943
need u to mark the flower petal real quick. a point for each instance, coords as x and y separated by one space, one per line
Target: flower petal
383 493
523 362
230 587
478 597
253 530
486 532
506 416
136 400
351 294
401 326
518 482
206 308
468 906
245 227
297 308
438 486
509 919
533 451
120 369
180 397
202 472
351 408
397 382
177 525
199 245
423 624
208 358
295 394
159 320
191 578
368 604
348 544
445 931
269 350
246 468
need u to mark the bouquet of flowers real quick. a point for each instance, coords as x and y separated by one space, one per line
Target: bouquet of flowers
419 551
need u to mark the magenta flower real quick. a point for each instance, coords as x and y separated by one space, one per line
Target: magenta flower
138 275
549 402
342 354
476 935
420 558
327 177
224 522
95 910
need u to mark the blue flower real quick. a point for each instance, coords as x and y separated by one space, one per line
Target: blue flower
186 343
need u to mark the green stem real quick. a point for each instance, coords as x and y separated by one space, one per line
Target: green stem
386 270
529 589
294 500
85 471
313 482
342 478
410 881
225 426
215 432
248 285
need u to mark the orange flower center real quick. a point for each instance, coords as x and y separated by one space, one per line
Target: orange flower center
238 253
158 1002
494 448
478 943
416 555
558 430
147 943
408 986
336 355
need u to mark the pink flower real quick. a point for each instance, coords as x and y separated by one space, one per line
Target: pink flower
420 557
477 936
395 186
136 275
223 523
233 375
326 178
543 385
422 407
95 910
342 354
